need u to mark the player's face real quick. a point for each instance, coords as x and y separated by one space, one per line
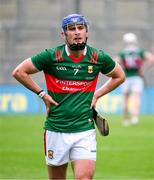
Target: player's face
76 33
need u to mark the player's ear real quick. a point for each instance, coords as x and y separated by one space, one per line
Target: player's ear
63 35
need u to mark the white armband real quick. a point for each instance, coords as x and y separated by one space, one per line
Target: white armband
41 94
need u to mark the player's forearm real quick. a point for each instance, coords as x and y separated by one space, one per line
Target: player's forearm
109 86
117 77
26 80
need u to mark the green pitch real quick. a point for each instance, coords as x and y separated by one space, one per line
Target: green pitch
127 153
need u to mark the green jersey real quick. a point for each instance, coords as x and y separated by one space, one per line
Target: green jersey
71 82
132 59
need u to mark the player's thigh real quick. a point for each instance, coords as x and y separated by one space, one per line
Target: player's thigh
83 169
83 155
57 172
84 146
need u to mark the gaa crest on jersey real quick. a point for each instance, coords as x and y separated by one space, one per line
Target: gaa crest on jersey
50 154
90 69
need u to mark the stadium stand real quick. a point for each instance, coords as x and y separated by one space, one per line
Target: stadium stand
27 27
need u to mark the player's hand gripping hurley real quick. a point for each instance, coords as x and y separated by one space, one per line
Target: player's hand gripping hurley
101 123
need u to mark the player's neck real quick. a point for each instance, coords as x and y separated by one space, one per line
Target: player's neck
75 54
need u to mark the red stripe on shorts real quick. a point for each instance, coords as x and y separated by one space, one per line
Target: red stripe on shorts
45 142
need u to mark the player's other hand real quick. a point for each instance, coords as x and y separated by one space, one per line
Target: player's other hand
94 101
48 102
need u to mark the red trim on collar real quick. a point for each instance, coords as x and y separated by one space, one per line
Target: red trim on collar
76 60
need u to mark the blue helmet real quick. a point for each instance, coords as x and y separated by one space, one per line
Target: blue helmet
74 19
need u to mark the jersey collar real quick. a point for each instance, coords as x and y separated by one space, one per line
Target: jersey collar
68 53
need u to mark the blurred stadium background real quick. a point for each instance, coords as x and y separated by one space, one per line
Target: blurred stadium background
28 26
